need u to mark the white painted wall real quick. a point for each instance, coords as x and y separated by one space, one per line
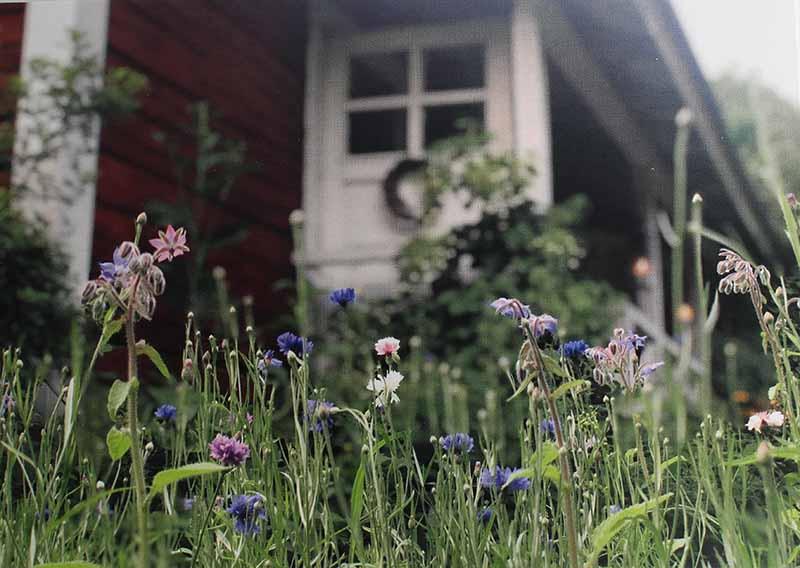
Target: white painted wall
48 24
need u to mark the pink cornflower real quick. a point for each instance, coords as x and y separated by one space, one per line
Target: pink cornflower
228 451
773 419
387 346
169 244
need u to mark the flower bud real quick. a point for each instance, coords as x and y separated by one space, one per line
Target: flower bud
218 273
156 279
149 447
763 453
127 249
100 486
188 370
685 314
768 318
684 117
141 219
296 217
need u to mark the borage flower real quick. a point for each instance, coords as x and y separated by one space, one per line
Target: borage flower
166 412
458 443
319 415
169 244
228 451
300 346
387 346
543 325
384 387
267 361
760 420
548 427
343 296
114 272
246 511
511 308
500 478
620 361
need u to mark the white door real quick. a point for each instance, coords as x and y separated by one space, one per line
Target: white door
386 96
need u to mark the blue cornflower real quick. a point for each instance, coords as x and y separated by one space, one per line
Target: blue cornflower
187 503
288 341
499 479
614 509
343 296
574 349
267 361
484 515
547 426
319 415
458 443
110 271
166 412
246 511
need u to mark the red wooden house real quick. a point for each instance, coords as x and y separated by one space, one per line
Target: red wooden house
331 94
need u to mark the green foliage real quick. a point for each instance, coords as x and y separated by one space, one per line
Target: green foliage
35 310
206 177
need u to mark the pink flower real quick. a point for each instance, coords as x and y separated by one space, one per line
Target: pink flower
387 346
759 420
169 244
228 451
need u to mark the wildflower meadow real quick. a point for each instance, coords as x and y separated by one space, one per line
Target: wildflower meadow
248 451
248 463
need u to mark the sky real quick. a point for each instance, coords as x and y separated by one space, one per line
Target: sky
749 37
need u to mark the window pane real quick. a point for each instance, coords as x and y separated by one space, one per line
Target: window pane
377 131
454 68
449 120
377 74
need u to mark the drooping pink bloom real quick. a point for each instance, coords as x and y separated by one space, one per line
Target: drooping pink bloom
773 419
169 244
228 451
387 346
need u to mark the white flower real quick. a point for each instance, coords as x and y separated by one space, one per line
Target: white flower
757 421
384 387
387 346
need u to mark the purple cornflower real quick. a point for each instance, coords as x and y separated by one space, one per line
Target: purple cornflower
319 415
300 346
499 479
343 296
548 427
574 349
458 443
246 511
511 308
484 515
166 412
110 271
228 451
267 361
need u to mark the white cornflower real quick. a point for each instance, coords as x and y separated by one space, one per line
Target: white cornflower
384 387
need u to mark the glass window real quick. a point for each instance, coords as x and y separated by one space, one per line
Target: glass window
377 131
445 121
378 74
448 68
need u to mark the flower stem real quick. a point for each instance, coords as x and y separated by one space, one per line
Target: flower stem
137 463
566 474
199 544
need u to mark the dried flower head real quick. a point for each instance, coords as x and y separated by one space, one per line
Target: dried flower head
740 277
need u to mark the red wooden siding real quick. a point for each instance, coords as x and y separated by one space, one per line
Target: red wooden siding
245 58
12 25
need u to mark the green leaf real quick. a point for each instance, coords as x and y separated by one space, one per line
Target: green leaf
110 328
68 564
577 385
605 532
69 410
85 505
546 454
164 478
554 367
118 442
117 396
356 507
150 352
782 453
713 316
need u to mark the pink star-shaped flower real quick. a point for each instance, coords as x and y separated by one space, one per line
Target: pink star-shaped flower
169 244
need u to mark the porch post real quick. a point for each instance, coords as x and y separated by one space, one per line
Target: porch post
48 28
530 99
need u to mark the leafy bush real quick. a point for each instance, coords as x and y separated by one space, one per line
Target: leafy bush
34 306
